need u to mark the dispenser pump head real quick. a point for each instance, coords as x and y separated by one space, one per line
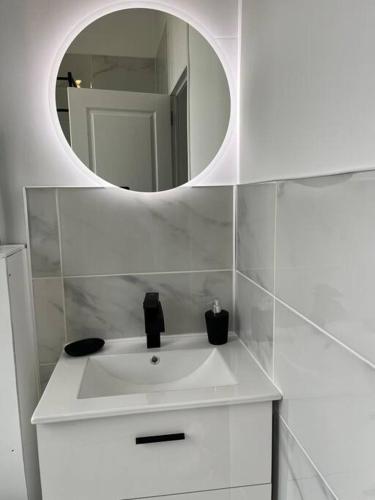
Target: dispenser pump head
216 307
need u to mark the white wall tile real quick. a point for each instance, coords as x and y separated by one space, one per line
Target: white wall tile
105 232
325 255
255 232
297 478
43 232
112 306
49 318
329 403
254 321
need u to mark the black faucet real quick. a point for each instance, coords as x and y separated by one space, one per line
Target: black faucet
154 319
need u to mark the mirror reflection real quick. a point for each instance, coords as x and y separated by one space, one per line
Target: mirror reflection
143 100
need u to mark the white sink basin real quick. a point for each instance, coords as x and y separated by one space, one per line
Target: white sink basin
142 373
121 380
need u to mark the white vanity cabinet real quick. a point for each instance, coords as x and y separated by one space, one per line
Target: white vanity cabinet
225 455
197 425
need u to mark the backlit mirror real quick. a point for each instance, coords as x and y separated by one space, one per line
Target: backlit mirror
143 99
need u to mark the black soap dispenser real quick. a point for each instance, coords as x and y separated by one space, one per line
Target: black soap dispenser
217 322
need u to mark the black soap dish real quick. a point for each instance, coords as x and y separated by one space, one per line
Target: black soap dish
84 347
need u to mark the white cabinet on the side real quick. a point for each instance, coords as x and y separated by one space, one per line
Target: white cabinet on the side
19 474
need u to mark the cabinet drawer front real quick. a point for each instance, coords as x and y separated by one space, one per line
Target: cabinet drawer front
262 492
100 459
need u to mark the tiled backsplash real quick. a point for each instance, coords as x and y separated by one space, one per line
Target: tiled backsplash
96 251
304 277
304 305
111 306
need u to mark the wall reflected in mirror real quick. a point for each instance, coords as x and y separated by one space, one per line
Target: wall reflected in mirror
143 100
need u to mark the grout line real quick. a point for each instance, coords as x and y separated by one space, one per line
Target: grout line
30 285
308 176
259 364
189 493
274 279
66 187
156 273
64 309
307 320
254 283
304 451
362 169
59 230
332 337
38 278
234 258
61 263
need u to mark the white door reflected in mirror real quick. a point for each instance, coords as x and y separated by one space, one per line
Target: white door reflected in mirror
143 100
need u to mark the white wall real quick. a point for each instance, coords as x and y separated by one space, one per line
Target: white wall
31 151
307 87
209 102
304 261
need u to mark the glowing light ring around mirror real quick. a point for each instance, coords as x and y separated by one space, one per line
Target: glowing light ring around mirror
95 15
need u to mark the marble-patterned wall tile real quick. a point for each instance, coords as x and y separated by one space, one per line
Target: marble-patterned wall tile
325 254
254 320
107 231
297 477
43 232
112 306
256 232
328 403
49 318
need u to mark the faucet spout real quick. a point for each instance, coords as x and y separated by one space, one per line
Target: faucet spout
154 319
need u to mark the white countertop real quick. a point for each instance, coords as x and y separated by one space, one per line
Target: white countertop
60 400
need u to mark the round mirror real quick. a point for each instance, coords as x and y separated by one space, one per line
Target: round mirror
143 99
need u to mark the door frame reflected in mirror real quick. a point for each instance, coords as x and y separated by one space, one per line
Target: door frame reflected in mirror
180 136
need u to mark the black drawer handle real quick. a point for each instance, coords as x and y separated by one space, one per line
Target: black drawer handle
160 439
